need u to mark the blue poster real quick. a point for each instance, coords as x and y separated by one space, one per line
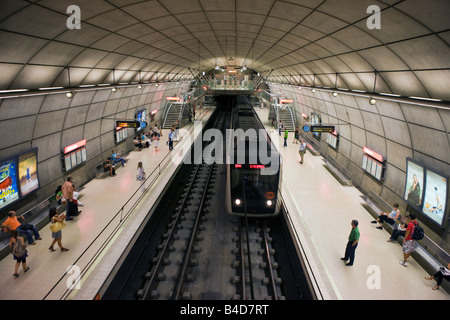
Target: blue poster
9 192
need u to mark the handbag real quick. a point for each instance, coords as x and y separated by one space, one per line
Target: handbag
57 226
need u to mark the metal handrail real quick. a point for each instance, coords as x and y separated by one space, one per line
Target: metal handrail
159 169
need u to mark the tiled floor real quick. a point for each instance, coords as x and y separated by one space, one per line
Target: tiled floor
322 210
84 236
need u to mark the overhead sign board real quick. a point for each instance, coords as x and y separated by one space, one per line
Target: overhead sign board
322 129
128 124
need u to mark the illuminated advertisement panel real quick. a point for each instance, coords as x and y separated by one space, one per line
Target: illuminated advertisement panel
28 172
435 196
414 185
9 191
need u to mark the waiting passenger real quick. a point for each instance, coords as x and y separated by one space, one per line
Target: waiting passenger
57 236
116 158
138 143
155 139
399 230
389 218
108 167
12 224
352 244
443 273
59 195
19 252
409 244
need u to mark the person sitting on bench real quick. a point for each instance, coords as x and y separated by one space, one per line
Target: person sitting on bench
389 218
12 223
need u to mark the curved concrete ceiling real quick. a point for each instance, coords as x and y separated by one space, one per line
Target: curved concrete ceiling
314 42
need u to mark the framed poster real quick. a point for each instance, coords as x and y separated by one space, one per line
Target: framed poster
435 196
414 184
9 192
28 172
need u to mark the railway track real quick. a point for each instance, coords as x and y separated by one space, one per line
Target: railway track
191 249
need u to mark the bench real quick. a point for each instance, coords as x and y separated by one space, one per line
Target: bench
338 171
428 254
38 216
100 172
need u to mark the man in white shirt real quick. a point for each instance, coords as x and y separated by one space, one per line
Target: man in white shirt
302 150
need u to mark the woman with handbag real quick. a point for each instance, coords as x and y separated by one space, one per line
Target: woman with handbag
56 227
19 251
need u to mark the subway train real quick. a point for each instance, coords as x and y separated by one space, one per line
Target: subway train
254 167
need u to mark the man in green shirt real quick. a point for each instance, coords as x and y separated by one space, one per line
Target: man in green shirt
352 243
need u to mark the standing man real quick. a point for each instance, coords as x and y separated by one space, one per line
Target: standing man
286 135
352 244
171 134
302 150
67 191
409 244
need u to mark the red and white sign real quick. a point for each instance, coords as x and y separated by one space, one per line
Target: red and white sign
286 100
373 154
75 146
173 99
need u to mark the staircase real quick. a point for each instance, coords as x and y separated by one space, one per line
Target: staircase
172 114
285 115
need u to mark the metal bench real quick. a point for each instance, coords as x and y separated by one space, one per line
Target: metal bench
428 253
37 216
338 171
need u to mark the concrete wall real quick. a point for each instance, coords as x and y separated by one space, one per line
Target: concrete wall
394 130
51 122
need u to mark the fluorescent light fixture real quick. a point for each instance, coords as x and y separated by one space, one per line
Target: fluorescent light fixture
390 94
428 99
51 88
13 90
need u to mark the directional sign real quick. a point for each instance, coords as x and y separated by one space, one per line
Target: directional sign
128 124
306 128
322 128
143 124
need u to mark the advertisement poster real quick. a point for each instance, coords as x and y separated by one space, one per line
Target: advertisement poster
8 183
414 184
435 197
28 174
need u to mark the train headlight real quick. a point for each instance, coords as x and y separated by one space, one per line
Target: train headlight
269 203
237 202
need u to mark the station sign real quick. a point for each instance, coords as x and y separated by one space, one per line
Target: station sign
328 129
128 124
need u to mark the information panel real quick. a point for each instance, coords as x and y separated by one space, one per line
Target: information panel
373 166
128 124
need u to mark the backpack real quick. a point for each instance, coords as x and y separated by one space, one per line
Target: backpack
18 249
418 232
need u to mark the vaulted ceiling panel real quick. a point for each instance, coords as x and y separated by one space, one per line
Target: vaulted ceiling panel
289 37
